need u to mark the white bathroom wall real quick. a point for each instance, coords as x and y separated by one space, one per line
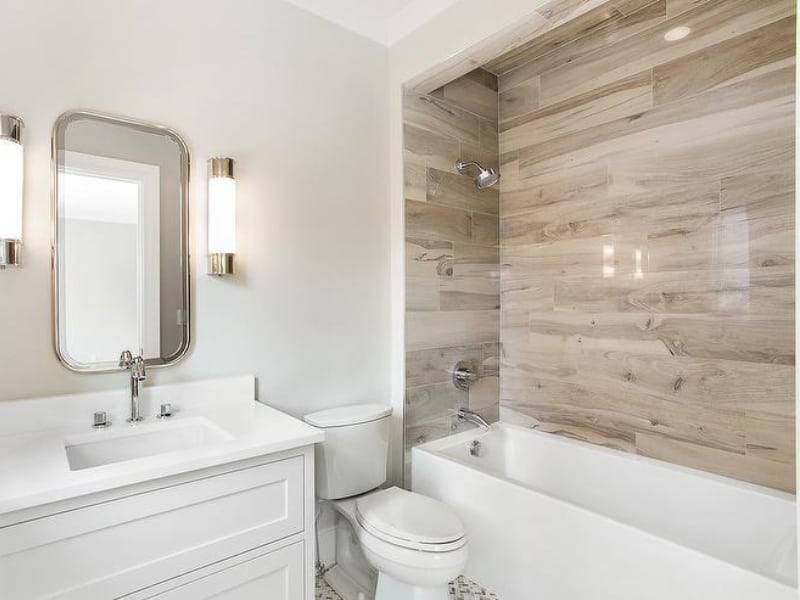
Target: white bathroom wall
302 105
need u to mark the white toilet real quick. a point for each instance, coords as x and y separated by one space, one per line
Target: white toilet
415 543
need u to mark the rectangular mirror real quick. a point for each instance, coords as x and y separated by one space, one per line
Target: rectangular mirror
120 242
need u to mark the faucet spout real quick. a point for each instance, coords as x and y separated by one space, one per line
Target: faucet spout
134 364
465 414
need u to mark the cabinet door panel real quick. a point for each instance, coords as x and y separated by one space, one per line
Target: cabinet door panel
112 548
274 576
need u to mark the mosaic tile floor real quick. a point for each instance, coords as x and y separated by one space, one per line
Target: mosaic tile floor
460 589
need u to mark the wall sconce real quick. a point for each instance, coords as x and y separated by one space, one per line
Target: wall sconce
10 190
221 216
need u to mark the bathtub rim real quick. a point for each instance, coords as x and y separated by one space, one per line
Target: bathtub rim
434 450
437 446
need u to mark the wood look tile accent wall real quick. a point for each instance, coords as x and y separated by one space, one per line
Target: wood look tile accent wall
452 254
646 230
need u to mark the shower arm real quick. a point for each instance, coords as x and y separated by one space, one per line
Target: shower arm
463 165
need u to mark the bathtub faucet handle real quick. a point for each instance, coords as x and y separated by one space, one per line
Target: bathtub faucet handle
465 374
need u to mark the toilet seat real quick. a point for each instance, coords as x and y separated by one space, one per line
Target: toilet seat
409 520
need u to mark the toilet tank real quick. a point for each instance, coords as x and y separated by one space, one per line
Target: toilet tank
352 459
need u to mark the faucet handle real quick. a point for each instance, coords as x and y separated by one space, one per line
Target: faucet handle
165 412
125 359
101 420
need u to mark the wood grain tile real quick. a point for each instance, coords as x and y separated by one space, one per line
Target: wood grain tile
450 328
472 94
460 191
748 338
470 293
429 221
676 7
489 136
588 181
618 101
590 406
441 117
764 191
427 262
425 367
519 100
721 111
452 258
415 181
741 387
755 469
643 258
431 402
711 23
770 436
485 229
733 244
613 27
679 207
429 149
483 398
729 291
488 157
724 62
589 24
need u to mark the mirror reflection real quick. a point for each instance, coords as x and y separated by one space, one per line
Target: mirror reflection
121 259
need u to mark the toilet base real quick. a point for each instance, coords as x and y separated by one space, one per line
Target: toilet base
392 589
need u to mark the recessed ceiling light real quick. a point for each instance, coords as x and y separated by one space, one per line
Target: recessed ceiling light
677 33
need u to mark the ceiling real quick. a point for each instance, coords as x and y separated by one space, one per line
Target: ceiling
384 21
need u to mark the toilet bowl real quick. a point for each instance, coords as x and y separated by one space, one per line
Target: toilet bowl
417 544
414 544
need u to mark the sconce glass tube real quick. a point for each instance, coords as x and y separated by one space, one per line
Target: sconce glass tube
221 216
11 170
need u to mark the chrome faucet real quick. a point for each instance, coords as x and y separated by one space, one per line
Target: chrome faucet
134 364
465 414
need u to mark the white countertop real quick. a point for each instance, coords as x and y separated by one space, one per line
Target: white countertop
34 469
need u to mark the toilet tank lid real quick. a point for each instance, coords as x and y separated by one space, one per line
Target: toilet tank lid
348 415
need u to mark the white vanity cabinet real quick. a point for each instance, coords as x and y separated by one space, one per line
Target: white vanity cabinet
239 530
271 575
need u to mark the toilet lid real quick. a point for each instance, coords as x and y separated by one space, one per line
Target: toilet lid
410 520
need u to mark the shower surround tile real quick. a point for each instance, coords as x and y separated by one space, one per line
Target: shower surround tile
647 234
452 254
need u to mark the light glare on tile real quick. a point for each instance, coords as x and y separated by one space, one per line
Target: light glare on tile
637 259
608 260
677 33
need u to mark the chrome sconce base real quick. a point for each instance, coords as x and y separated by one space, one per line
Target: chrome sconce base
221 264
10 253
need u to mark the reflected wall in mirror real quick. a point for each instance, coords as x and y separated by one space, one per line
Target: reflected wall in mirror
120 241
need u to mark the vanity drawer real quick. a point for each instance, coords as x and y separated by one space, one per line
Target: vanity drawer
276 575
117 546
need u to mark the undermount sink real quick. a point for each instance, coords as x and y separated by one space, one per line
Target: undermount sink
131 442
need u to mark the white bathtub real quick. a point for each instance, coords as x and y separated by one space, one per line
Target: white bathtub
554 519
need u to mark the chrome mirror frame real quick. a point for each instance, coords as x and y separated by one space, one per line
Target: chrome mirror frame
185 262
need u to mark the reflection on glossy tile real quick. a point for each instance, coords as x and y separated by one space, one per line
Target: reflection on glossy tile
647 235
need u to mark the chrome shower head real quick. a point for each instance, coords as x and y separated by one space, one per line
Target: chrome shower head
486 177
